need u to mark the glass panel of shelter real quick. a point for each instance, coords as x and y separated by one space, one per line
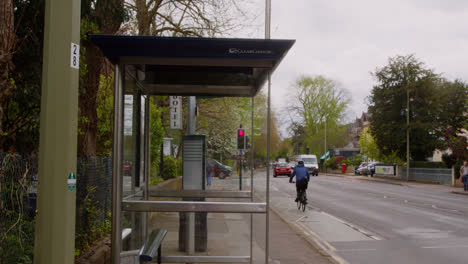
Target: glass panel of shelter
221 234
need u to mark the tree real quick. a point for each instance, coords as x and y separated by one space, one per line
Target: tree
434 104
187 18
368 146
97 16
20 85
8 37
321 107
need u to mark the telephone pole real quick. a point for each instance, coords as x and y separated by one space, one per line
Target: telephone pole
55 226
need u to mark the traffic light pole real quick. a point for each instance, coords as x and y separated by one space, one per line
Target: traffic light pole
240 170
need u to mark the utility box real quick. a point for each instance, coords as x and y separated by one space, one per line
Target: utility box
193 178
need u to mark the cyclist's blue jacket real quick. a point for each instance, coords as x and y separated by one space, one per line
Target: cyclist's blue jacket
300 172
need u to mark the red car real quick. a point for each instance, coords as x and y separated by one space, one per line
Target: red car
282 169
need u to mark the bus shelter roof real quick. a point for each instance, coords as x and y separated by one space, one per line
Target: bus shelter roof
196 66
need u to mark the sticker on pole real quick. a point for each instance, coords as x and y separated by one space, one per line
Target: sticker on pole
71 182
75 56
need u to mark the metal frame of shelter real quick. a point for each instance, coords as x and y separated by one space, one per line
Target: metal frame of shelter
146 66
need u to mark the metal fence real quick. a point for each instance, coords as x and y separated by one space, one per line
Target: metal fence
93 192
18 192
442 176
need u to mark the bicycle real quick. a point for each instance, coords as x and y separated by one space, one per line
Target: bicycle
302 200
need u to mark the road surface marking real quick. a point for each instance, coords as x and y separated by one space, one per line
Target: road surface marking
356 249
443 209
300 218
458 246
360 230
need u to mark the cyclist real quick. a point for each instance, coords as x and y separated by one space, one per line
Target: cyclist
302 178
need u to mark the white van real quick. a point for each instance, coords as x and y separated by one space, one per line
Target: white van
310 162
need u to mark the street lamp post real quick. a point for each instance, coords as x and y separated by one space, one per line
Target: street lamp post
407 134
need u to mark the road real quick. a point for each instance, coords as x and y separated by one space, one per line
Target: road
359 221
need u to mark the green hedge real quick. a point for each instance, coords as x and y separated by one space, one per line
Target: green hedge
428 164
172 167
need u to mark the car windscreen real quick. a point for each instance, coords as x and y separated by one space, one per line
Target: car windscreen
282 165
309 160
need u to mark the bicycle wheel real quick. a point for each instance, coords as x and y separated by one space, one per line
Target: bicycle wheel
303 201
299 200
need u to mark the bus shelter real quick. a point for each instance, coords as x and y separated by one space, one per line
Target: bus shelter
191 223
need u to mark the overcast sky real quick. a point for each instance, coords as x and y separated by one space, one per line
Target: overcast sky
345 40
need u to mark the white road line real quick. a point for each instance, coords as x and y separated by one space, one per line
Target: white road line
443 209
300 218
365 232
356 249
458 246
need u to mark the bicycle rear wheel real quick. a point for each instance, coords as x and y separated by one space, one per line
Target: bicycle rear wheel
303 201
299 200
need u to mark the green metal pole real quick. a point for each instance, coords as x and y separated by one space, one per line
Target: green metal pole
55 226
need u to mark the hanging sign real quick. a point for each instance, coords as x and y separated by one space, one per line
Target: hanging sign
176 112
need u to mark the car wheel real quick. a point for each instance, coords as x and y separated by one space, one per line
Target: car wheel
274 175
221 175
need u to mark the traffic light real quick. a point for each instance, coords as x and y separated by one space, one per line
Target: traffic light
240 138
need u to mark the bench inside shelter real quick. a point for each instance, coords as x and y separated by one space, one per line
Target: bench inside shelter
152 246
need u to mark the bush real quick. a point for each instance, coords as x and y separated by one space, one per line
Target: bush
449 160
339 160
355 160
428 164
331 163
172 168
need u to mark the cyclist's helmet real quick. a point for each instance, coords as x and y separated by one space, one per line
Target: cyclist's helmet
301 162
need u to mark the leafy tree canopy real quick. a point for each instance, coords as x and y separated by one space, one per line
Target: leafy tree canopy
434 104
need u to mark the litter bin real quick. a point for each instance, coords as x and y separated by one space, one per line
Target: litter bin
343 168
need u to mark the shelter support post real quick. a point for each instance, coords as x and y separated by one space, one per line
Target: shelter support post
116 236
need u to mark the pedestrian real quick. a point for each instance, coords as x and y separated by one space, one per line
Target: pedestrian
209 173
464 175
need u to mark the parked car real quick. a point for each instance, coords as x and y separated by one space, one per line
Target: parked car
358 170
372 167
282 169
127 168
367 168
221 171
292 165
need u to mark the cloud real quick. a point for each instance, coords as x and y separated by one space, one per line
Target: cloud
346 40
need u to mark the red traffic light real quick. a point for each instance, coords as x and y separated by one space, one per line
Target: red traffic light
241 132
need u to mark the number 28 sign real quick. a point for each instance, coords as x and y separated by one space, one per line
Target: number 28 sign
75 56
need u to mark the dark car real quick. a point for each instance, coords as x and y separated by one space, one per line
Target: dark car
372 167
282 169
221 171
